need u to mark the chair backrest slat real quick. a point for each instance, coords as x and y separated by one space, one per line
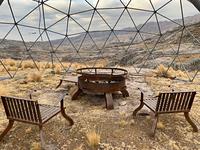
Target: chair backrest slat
21 109
180 101
175 101
17 112
26 109
160 105
185 99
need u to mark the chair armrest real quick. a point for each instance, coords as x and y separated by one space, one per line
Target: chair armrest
156 96
142 94
62 103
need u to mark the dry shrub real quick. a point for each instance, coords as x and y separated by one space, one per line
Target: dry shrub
8 68
53 65
41 65
10 62
3 90
93 139
35 77
13 68
180 73
19 65
58 70
47 66
2 69
78 65
28 64
162 71
66 65
99 63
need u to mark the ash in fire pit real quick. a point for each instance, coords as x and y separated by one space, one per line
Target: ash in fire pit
102 80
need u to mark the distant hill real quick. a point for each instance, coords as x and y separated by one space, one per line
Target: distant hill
15 49
126 34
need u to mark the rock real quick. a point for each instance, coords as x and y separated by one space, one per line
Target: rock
123 103
74 74
104 145
123 145
132 122
101 146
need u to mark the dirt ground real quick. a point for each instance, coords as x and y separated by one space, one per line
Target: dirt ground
117 129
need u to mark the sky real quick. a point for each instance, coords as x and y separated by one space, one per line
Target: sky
111 16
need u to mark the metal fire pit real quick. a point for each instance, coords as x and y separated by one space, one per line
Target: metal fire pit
102 80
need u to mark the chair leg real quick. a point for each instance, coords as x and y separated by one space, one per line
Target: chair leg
42 137
71 122
154 125
137 109
187 117
9 126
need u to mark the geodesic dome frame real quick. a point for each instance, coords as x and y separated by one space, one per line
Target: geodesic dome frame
45 30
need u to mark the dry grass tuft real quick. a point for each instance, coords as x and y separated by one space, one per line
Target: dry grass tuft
36 146
180 73
10 62
3 90
28 64
162 71
35 77
123 123
12 68
58 70
160 125
93 139
47 66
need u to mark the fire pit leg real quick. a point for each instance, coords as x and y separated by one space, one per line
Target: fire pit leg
76 93
125 93
109 101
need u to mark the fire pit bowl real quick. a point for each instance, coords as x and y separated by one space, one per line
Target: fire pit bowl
102 80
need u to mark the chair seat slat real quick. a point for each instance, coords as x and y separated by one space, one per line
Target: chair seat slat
46 112
151 103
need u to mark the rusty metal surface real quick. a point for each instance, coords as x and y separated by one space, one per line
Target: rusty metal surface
102 80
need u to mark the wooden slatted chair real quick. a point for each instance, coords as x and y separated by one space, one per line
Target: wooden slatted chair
29 111
70 79
171 102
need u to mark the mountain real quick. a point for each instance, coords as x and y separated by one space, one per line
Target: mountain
126 34
112 45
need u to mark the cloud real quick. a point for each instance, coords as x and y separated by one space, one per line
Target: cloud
22 7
